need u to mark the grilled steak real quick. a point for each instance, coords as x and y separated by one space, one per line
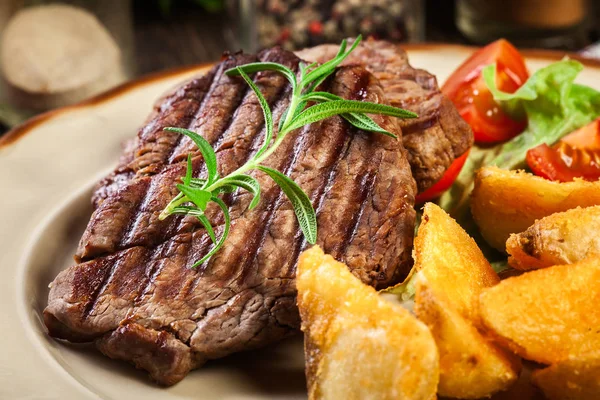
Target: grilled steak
439 135
131 291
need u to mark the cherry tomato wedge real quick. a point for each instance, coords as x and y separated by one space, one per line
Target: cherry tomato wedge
577 155
469 93
445 182
587 137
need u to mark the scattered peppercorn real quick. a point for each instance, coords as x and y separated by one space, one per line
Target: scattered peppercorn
296 24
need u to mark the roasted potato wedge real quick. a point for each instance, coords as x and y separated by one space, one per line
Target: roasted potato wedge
471 366
358 345
451 261
572 379
505 202
547 315
452 274
561 238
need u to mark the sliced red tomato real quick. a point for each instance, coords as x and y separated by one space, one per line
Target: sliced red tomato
469 93
445 182
587 137
577 155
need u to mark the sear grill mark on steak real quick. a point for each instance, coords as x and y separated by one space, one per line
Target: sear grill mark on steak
434 139
132 291
213 117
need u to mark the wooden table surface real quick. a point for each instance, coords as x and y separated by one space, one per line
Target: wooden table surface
188 35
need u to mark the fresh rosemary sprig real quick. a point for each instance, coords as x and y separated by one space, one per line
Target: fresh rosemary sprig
195 193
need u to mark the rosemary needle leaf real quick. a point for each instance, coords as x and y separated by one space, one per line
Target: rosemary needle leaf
302 67
305 213
328 109
364 122
226 189
320 97
344 44
199 197
227 225
245 182
305 68
315 84
328 67
188 171
264 66
186 210
197 183
266 112
210 158
282 119
359 120
209 229
310 66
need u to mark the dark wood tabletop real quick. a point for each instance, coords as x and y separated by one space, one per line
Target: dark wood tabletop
187 35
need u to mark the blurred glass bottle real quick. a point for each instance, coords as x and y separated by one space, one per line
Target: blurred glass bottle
527 23
295 24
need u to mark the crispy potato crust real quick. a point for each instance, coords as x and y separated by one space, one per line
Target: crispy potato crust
547 315
471 366
561 238
505 202
451 261
452 274
358 345
572 379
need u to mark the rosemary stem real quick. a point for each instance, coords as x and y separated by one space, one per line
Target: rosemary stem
176 202
292 109
248 166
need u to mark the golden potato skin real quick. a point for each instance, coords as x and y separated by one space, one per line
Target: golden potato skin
561 238
451 261
471 366
358 345
547 315
452 274
505 202
572 379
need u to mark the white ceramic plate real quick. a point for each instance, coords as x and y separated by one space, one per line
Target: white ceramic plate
47 169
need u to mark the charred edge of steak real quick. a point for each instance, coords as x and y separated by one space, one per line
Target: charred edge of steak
135 296
166 359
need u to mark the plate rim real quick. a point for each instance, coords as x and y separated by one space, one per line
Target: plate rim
13 135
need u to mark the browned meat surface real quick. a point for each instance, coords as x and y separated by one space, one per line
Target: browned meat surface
439 135
131 291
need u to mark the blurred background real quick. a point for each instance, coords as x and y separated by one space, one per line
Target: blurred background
58 52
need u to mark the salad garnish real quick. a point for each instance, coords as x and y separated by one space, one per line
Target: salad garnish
552 105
